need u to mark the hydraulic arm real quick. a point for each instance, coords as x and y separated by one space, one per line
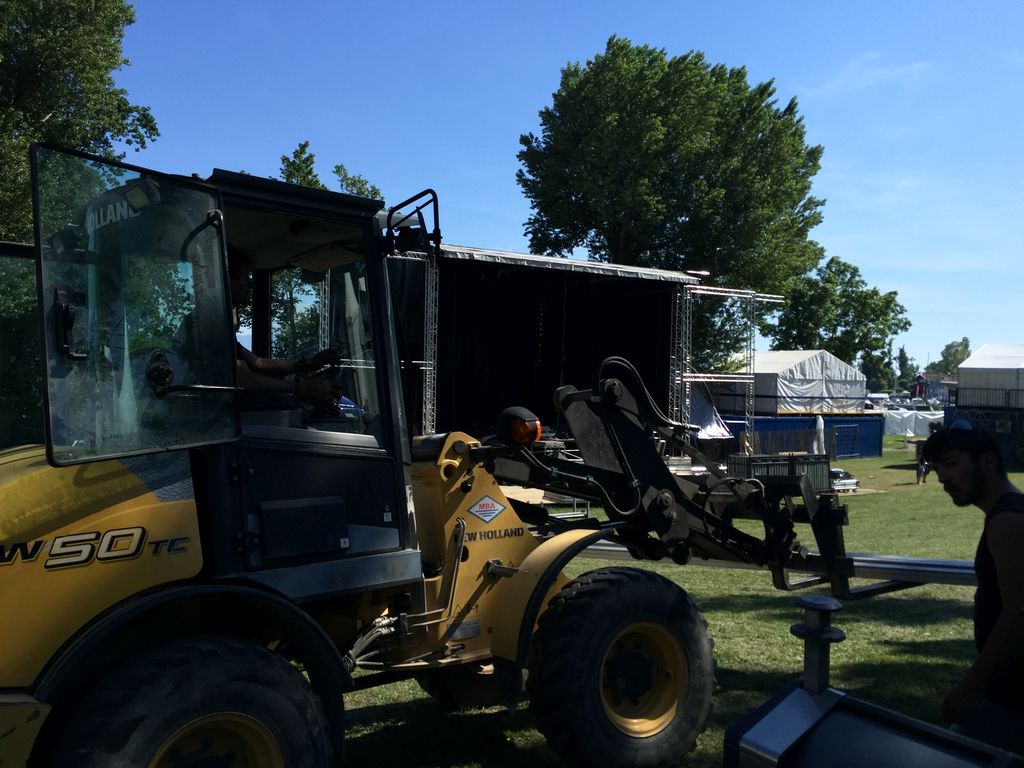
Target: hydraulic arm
621 435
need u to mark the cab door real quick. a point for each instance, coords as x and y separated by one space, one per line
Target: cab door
137 334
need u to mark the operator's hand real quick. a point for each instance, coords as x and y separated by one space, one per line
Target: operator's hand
323 357
318 390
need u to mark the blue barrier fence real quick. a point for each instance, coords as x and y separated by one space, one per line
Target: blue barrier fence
845 436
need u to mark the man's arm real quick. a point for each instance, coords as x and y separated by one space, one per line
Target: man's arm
1005 644
317 390
270 367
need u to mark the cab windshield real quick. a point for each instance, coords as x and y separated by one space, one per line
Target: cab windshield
138 345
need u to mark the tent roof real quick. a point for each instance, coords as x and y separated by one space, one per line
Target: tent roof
570 265
780 360
1005 356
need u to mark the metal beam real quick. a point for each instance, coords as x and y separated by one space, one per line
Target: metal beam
914 570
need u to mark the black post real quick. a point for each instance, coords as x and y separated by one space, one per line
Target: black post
818 634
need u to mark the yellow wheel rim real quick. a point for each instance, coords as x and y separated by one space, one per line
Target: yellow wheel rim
224 738
643 679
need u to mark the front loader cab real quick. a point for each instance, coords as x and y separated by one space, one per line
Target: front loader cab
140 357
310 256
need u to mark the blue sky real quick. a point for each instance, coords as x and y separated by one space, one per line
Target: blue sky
918 106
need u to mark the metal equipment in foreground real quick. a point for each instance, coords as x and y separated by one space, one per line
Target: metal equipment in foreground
887 573
811 724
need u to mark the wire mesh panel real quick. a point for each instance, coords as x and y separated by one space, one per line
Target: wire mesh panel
846 441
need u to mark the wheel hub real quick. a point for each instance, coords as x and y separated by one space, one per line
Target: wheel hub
630 673
220 740
643 679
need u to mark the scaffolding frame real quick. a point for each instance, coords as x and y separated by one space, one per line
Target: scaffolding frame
683 375
323 295
428 365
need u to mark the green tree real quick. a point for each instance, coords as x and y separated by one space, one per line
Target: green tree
674 163
354 184
877 367
907 370
834 309
21 413
300 168
56 85
295 311
952 355
296 302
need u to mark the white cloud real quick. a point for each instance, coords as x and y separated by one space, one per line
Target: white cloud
867 71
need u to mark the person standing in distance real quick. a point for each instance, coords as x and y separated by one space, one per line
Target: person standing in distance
988 702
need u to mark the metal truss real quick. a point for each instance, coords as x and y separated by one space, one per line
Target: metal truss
684 346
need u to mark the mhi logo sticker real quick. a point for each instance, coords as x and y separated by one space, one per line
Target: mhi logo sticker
486 509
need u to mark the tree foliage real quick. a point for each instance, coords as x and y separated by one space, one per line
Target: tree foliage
56 85
907 370
877 367
834 309
952 355
673 163
299 168
20 367
295 312
354 184
295 301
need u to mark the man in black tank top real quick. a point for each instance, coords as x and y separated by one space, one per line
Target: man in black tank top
988 702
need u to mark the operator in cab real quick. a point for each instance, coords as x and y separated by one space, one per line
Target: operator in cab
264 374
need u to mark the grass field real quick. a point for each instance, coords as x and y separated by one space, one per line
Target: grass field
903 650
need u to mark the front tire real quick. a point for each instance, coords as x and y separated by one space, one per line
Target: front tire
209 701
621 670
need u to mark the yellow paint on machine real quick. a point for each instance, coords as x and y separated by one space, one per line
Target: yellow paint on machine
516 592
38 498
487 611
449 490
116 530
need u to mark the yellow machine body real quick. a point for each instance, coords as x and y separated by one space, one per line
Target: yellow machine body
76 541
498 565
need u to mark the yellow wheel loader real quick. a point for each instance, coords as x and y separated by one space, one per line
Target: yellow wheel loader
193 571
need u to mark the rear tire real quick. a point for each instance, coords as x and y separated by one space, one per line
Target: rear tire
621 671
210 701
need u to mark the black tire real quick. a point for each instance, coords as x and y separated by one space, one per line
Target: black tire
621 671
470 686
210 701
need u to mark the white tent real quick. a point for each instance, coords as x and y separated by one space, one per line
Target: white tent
986 376
910 423
789 382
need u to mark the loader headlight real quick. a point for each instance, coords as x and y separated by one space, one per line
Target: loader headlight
518 426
